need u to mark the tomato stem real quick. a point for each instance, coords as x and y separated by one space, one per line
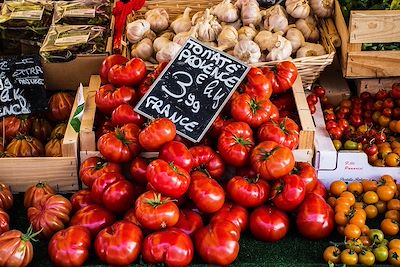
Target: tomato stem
29 235
242 141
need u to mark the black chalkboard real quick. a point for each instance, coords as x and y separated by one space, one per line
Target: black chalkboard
193 88
22 89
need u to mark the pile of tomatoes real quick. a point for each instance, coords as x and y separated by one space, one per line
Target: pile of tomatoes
356 204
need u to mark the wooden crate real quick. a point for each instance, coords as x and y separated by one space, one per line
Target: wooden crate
304 152
374 85
368 26
59 172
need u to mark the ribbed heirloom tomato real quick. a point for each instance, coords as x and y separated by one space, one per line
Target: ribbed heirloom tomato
288 192
258 84
93 167
81 199
282 76
178 153
129 73
60 106
124 114
137 170
284 131
206 159
34 193
268 223
234 213
189 221
4 221
6 197
109 97
307 173
157 133
14 125
248 191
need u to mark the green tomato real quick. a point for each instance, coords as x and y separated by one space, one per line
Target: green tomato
376 235
350 145
337 144
381 253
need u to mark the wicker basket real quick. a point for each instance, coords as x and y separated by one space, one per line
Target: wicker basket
309 67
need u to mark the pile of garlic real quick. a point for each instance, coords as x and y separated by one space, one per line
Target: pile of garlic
241 29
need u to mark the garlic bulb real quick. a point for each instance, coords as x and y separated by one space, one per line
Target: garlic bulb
143 49
226 11
250 12
168 52
183 23
310 49
212 44
275 19
208 28
298 9
228 37
158 19
136 30
182 37
247 33
296 38
150 34
197 17
247 51
322 8
262 39
236 24
281 51
163 40
308 28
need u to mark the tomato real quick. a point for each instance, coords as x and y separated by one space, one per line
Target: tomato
320 190
258 84
170 246
349 257
60 106
312 99
25 146
130 216
315 218
6 197
285 132
235 143
381 253
205 158
268 223
319 91
105 127
282 76
53 148
93 217
93 167
122 145
178 153
107 63
13 125
157 133
288 192
16 248
217 243
272 160
51 214
389 227
156 212
335 133
119 244
252 110
168 178
35 192
332 254
60 128
124 114
109 97
81 199
307 173
234 213
247 191
218 125
206 193
4 221
394 256
137 170
189 221
70 247
41 129
128 74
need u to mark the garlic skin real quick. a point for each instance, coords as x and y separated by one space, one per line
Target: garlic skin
236 24
262 39
228 37
308 28
322 8
182 37
250 12
247 51
197 17
136 30
299 9
310 49
281 51
143 49
183 23
226 11
247 33
168 52
208 28
162 41
296 38
158 19
275 19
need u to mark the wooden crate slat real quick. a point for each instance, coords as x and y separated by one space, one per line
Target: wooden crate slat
368 64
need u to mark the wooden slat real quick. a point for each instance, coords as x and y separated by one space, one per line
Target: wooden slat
374 85
372 64
374 26
70 142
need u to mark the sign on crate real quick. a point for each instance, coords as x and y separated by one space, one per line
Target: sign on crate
22 89
193 89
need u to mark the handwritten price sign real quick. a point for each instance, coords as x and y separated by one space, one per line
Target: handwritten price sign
193 89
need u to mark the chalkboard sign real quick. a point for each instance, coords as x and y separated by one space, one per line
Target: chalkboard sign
22 89
193 88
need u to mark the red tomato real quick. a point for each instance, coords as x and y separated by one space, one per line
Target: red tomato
285 102
307 173
109 97
285 132
395 92
206 193
218 243
13 125
119 244
248 192
319 91
282 76
137 170
269 224
218 125
157 133
235 143
288 192
34 193
60 106
6 197
258 84
168 178
205 158
51 214
105 127
272 160
107 63
252 110
189 221
320 190
122 145
156 212
315 218
234 213
4 222
81 199
130 216
70 247
150 78
170 246
178 153
128 74
93 167
124 114
93 217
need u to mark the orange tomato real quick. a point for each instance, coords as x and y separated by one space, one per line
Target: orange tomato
370 197
355 188
393 204
371 211
341 218
337 187
383 121
359 205
352 231
369 185
349 257
393 215
394 256
394 243
332 254
364 239
385 192
331 201
379 163
381 206
389 227
349 196
384 151
358 220
392 159
364 229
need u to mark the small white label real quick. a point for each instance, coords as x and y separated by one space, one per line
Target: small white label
72 38
80 13
32 14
